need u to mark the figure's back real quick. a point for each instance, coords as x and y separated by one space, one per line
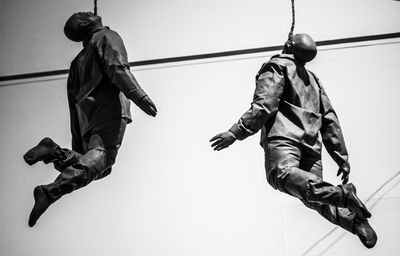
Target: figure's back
298 116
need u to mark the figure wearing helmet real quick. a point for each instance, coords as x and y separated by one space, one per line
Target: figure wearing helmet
291 108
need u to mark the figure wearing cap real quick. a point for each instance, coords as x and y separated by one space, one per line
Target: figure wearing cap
100 88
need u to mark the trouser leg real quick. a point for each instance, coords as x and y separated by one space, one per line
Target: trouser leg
348 220
95 164
76 171
307 186
89 167
354 221
311 188
336 215
71 157
103 145
283 159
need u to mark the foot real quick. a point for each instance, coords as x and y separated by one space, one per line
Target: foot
45 151
354 203
42 202
365 232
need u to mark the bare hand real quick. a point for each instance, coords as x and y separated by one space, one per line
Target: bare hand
148 106
223 140
344 171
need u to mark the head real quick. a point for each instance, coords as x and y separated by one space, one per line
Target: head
302 46
80 25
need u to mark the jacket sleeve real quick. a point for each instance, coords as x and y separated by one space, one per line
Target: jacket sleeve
270 83
77 143
331 133
115 64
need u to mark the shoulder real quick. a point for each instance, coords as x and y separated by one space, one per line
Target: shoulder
106 35
283 59
277 64
107 32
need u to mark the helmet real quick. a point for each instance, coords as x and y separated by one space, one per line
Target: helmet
302 46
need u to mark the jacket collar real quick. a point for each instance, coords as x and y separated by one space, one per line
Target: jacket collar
90 35
289 57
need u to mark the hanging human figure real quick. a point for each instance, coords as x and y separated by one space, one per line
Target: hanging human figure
291 108
99 88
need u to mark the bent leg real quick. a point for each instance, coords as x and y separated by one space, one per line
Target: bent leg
311 188
78 170
283 173
71 178
90 166
336 215
103 144
298 172
348 220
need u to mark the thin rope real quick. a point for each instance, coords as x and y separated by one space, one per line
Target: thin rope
293 20
95 7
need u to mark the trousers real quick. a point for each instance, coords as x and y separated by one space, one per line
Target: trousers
296 169
101 146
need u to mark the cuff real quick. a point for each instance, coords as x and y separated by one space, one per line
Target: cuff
238 132
137 96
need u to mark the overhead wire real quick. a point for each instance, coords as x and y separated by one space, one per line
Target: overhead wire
173 62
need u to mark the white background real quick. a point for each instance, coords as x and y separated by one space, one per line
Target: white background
169 193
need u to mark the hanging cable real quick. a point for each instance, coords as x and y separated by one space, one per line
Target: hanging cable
95 7
293 20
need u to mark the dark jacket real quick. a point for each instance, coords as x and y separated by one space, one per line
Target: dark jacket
290 102
100 84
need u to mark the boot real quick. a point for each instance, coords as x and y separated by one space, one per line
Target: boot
47 151
365 232
42 202
352 202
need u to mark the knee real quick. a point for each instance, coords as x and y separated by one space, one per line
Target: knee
277 177
104 173
104 164
92 164
82 173
94 158
111 155
294 181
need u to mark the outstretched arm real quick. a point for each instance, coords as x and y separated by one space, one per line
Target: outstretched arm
332 136
269 87
115 62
